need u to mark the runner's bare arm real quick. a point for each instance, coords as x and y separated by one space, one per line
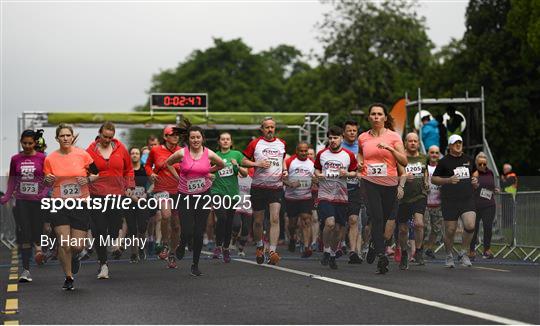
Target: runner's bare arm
249 163
217 162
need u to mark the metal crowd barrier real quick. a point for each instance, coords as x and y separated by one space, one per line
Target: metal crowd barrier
527 225
7 226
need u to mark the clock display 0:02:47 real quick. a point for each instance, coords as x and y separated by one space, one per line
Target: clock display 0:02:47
182 100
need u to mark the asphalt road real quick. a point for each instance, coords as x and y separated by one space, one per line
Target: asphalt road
298 292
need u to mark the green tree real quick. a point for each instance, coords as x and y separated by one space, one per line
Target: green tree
374 52
491 55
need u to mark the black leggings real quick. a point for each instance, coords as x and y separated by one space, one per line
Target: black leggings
224 224
28 221
487 215
104 224
29 226
193 222
241 225
381 205
137 221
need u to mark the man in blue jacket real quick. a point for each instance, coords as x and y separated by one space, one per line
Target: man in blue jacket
430 132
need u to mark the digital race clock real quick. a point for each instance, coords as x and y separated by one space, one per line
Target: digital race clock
179 100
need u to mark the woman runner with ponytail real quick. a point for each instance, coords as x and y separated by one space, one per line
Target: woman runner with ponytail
194 188
380 151
26 182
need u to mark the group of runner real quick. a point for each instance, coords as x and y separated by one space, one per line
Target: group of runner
346 197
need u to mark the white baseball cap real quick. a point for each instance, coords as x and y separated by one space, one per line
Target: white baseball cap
454 138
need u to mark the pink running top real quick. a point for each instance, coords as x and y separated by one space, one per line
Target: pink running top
194 174
380 166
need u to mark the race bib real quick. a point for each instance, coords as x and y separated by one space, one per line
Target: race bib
486 193
353 181
226 171
332 173
161 195
274 162
28 188
70 190
304 184
138 192
195 185
433 187
377 170
414 169
462 172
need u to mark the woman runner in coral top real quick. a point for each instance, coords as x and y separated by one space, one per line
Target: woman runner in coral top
69 170
380 151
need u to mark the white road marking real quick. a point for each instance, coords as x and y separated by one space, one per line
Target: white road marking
435 304
492 269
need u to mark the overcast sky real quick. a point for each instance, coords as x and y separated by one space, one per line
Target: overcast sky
100 56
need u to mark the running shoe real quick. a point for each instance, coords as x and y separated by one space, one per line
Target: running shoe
370 257
382 264
241 252
430 254
332 262
25 277
85 255
142 254
68 284
75 264
354 258
211 245
259 254
171 262
344 247
325 259
472 255
226 256
465 261
195 270
404 262
488 254
419 258
339 253
397 254
164 253
103 272
273 258
314 246
292 245
158 247
134 259
180 251
364 251
54 255
217 253
389 251
39 257
307 253
48 256
449 261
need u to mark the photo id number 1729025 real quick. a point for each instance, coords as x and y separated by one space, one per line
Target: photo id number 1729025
217 202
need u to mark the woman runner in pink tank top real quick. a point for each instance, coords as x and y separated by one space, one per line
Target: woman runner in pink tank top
196 164
380 150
